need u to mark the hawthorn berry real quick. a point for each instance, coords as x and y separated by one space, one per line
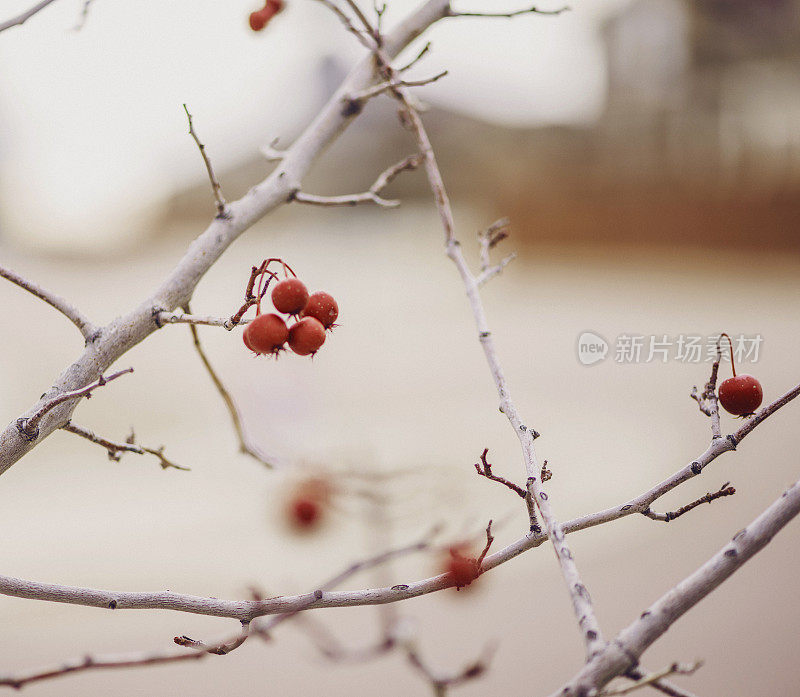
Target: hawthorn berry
306 336
259 19
323 307
290 296
304 512
266 334
740 395
461 570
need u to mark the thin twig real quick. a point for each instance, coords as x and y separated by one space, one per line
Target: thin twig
652 678
441 682
244 444
81 23
416 59
382 87
204 320
486 471
87 329
215 185
724 490
370 196
508 15
661 685
581 600
25 16
29 427
115 450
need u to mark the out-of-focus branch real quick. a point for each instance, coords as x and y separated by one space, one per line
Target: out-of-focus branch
244 442
86 328
25 16
621 654
656 680
215 185
370 196
115 450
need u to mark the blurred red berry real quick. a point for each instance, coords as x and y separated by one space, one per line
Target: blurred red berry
304 513
461 570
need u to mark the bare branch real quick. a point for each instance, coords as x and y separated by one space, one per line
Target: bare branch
508 15
87 329
115 450
653 678
370 196
271 152
581 601
97 662
81 23
25 16
204 320
28 427
724 490
623 653
441 682
215 186
382 87
244 442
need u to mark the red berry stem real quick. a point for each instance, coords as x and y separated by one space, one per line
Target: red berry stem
730 345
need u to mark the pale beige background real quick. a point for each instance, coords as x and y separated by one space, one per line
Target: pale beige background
400 384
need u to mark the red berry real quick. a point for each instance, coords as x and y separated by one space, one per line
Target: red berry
290 296
323 307
257 21
741 395
246 339
266 334
306 336
461 570
304 513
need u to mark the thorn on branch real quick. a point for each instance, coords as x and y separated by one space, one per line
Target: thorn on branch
724 490
215 185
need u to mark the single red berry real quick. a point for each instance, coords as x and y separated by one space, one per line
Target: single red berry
304 512
266 334
741 395
461 570
290 296
306 336
246 339
323 307
257 21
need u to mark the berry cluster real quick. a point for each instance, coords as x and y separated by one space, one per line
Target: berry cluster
268 334
259 18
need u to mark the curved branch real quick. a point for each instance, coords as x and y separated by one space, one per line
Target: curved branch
84 325
24 16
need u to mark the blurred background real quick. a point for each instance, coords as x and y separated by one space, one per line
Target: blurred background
648 155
